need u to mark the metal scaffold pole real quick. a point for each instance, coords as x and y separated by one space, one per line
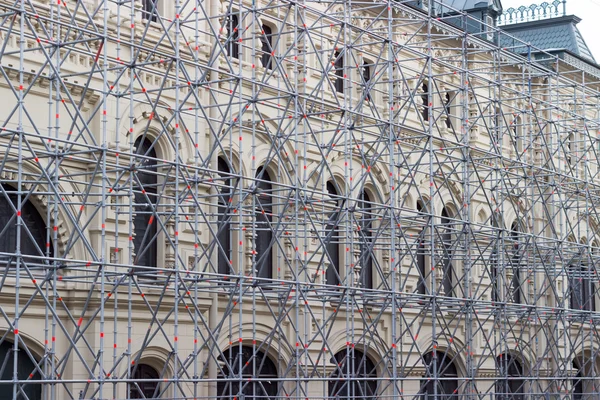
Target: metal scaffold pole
337 199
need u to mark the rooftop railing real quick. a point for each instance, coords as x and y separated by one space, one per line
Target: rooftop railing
533 12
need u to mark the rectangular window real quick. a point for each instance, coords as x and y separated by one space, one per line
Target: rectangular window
339 72
366 73
447 109
150 10
425 101
267 47
232 46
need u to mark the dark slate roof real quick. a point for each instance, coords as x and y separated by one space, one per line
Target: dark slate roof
548 34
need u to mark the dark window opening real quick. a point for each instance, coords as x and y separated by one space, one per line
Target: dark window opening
510 386
267 47
233 49
577 383
149 10
495 261
145 384
145 188
448 268
264 219
339 72
421 256
515 261
354 376
441 365
366 73
224 219
447 109
333 237
26 372
425 102
571 148
366 240
34 239
239 365
582 288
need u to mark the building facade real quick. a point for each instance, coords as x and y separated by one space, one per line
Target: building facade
307 200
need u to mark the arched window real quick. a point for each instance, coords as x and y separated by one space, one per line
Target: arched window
518 137
224 219
581 285
145 188
367 75
266 40
365 236
339 72
577 383
495 258
145 385
333 237
33 231
233 34
264 229
425 101
439 365
518 247
421 255
354 376
511 382
245 373
26 373
448 109
447 248
571 149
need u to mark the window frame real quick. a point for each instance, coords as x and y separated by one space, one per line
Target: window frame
232 23
263 215
148 225
268 32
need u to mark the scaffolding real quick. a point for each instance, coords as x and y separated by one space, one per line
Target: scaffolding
339 199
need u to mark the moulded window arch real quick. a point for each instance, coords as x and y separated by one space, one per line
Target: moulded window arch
365 238
26 372
439 364
245 362
510 386
145 383
333 237
264 220
224 218
584 379
33 234
145 186
354 376
448 250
